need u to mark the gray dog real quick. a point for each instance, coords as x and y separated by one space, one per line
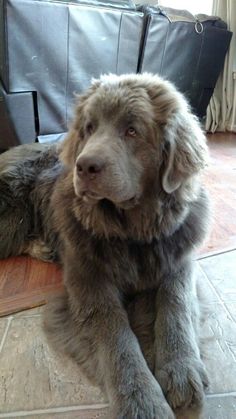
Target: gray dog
120 204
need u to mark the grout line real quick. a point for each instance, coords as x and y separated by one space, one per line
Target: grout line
85 407
52 410
212 396
28 316
9 319
22 316
216 254
24 313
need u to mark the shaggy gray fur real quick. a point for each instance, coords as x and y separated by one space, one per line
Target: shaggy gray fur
121 204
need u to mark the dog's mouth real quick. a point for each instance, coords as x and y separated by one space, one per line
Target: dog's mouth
91 194
129 203
90 197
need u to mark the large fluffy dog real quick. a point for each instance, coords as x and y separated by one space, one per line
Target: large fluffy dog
124 208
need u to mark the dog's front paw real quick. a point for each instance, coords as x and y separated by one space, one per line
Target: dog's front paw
183 383
144 403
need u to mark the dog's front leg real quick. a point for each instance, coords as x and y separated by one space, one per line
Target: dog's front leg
107 349
178 366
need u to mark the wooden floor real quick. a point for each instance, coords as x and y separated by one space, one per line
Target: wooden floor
220 180
26 283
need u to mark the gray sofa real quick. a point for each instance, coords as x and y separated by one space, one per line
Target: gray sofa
50 50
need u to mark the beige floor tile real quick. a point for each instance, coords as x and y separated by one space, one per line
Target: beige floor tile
221 271
220 408
219 338
206 291
216 407
33 377
232 309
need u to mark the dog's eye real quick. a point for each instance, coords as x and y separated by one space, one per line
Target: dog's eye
89 128
131 132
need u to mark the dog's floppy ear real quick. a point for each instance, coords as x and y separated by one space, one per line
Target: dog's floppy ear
184 149
68 148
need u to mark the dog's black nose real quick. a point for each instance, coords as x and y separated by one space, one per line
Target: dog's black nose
89 166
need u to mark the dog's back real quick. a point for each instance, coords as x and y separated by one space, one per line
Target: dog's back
23 170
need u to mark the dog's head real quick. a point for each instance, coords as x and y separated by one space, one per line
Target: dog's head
133 136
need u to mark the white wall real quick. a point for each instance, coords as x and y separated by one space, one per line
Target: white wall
198 6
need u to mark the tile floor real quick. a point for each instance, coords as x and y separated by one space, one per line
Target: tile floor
36 383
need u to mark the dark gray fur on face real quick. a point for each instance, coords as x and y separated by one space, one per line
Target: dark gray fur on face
121 205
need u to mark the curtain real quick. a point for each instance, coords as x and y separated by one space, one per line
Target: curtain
221 112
